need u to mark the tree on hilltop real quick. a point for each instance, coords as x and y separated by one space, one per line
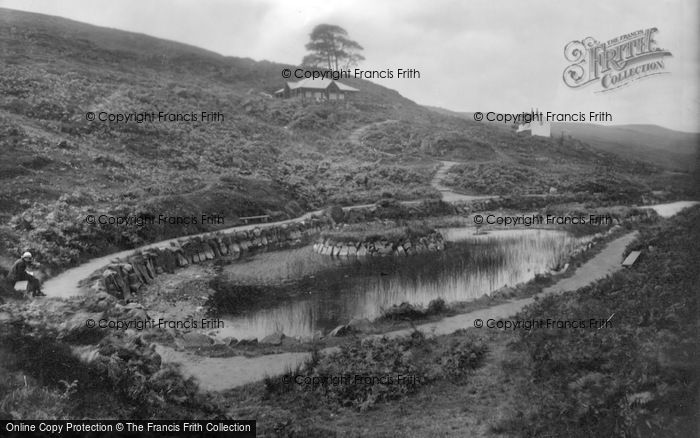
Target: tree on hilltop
331 48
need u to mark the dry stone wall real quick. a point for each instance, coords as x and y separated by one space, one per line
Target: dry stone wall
124 277
380 248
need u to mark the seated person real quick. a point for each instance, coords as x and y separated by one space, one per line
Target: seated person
18 272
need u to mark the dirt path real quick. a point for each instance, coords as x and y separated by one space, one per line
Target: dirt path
355 136
221 373
447 194
224 373
668 210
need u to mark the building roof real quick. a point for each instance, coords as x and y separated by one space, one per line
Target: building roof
319 84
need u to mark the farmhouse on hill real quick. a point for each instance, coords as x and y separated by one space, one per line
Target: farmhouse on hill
316 89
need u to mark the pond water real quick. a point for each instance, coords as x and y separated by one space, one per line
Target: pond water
330 292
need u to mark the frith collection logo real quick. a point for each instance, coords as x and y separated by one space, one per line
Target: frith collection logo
615 63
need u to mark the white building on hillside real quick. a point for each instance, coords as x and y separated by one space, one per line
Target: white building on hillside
537 126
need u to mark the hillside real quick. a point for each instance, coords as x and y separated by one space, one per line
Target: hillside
264 156
671 149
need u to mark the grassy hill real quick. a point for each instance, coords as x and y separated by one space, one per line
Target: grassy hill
670 149
267 156
663 147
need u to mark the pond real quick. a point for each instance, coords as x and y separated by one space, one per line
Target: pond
329 292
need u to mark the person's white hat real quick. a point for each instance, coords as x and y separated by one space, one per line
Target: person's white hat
27 255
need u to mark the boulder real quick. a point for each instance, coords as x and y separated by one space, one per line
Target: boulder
223 246
140 270
272 236
290 342
504 292
273 339
150 268
99 302
214 246
341 330
247 342
385 250
182 260
208 252
196 340
110 282
227 240
168 260
231 342
360 324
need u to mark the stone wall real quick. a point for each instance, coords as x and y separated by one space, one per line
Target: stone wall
124 277
380 248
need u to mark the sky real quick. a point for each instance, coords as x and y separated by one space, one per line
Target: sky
472 55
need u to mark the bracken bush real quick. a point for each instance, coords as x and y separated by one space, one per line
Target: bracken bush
372 368
407 311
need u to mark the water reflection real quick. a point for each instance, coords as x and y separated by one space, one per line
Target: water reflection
335 291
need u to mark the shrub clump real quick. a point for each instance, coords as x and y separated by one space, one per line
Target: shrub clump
407 311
